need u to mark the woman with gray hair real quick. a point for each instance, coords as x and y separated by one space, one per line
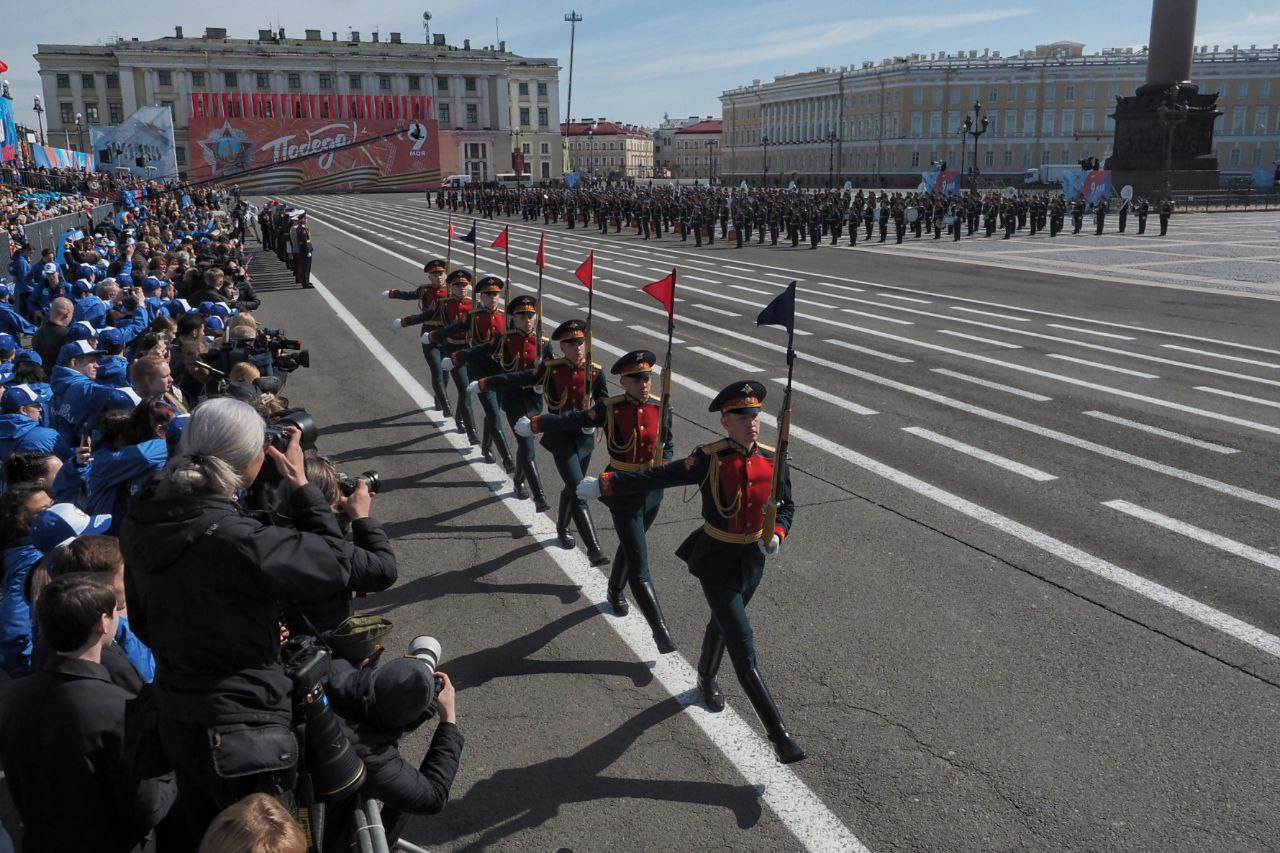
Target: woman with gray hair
205 580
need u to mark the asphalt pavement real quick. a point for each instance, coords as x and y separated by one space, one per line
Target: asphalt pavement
1029 600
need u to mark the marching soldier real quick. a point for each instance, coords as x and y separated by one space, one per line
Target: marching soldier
1099 216
564 383
727 553
429 297
1166 210
633 426
1141 213
454 308
1077 216
1124 215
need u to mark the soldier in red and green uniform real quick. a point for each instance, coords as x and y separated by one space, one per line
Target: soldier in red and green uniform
428 296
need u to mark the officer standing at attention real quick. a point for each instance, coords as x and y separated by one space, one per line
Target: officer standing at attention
633 426
429 297
728 552
1099 216
1124 214
1142 208
564 384
1166 209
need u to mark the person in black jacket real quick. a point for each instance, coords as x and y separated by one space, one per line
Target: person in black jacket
204 580
63 730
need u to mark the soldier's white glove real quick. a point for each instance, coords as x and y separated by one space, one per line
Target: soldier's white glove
772 547
425 337
386 294
523 427
589 488
397 323
446 364
473 387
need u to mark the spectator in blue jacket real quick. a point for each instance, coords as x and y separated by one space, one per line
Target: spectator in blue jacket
113 367
11 321
21 412
19 506
22 273
77 395
130 448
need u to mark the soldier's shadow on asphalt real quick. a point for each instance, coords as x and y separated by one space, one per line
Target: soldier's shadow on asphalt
438 523
511 801
467 581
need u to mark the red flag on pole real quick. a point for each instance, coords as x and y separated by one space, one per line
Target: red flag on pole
500 242
451 231
586 271
664 290
542 251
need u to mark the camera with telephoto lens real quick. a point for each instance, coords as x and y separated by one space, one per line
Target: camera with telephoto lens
277 437
279 346
347 484
427 649
335 769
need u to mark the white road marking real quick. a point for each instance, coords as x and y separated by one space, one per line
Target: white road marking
1221 355
662 336
1090 332
978 453
979 340
559 299
1261 402
1163 433
1100 366
699 278
715 310
596 312
989 313
878 317
724 359
995 386
826 396
1222 543
904 298
739 269
868 351
753 290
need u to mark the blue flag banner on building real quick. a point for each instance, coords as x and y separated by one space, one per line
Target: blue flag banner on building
470 236
49 157
8 131
781 312
142 144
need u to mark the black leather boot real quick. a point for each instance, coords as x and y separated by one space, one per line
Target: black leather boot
535 485
562 520
486 443
784 746
647 601
517 483
618 585
587 530
504 453
708 666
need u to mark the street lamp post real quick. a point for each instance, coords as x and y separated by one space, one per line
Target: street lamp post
573 19
711 144
591 146
39 108
974 126
831 160
764 169
516 164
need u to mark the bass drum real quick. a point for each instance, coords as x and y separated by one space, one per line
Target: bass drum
912 214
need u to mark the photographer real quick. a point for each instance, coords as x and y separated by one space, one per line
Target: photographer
204 579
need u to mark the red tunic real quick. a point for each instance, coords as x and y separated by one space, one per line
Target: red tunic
566 389
454 310
633 429
519 351
744 483
485 325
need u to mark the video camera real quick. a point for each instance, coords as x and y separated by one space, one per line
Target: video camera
278 345
301 419
335 769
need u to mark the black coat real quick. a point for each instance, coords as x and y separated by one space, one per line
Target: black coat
204 583
60 741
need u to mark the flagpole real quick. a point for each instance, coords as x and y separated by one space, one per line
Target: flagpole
448 253
784 439
664 408
475 247
506 251
591 292
541 261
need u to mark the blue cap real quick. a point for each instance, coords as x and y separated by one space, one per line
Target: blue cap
174 430
29 355
81 330
206 307
111 336
17 396
87 270
222 309
8 343
211 324
76 349
5 291
82 285
150 284
61 523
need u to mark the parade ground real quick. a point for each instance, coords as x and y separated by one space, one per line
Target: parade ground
1030 597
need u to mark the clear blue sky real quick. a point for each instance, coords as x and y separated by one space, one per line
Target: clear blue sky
636 61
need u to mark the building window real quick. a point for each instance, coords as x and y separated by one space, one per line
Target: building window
294 80
991 158
442 110
66 114
1264 115
113 81
542 90
526 148
1086 121
1030 93
354 81
545 148
64 81
1257 156
544 117
86 81
1238 118
180 155
415 83
915 158
994 95
91 113
1242 90
1008 157
443 84
1010 122
1071 93
546 171
1068 122
1235 156
326 82
1047 121
116 113
470 84
917 125
1265 85
197 78
1112 91
230 79
384 83
935 124
1050 93
524 116
937 96
1028 122
168 105
957 95
262 81
523 89
473 114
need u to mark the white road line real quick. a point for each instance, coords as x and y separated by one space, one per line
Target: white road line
825 396
625 263
796 806
840 286
738 269
995 386
662 336
1221 355
978 453
1101 366
868 351
724 359
596 312
1164 433
1222 543
1261 402
663 269
904 298
715 310
704 280
559 299
878 317
787 276
989 314
753 290
828 832
1090 332
979 340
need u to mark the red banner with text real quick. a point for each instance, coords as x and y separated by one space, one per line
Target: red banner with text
280 147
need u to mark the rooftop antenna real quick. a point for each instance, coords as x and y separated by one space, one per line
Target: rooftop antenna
496 36
426 27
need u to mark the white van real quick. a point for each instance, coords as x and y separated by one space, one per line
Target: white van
456 181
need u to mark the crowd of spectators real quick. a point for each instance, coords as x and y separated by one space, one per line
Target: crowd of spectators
176 550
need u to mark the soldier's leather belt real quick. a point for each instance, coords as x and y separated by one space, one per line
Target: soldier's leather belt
731 538
620 465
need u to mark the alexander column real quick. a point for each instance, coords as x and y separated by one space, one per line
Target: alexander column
1164 132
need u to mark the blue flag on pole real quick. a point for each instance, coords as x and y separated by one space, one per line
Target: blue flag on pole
470 236
781 311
